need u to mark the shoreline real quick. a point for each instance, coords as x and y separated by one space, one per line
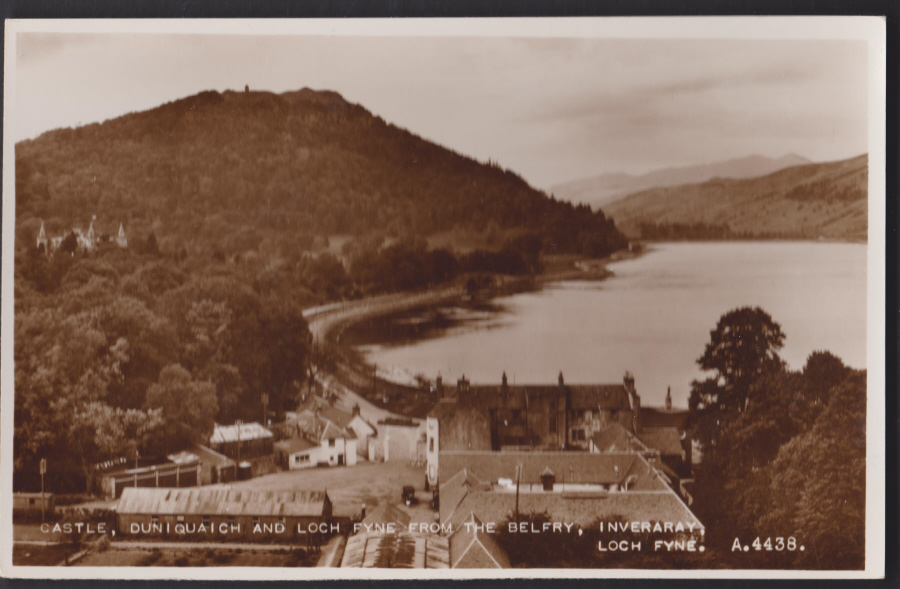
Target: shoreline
380 396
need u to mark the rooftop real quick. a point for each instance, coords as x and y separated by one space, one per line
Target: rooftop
569 467
665 439
220 501
399 551
587 486
615 438
294 445
473 548
386 514
243 432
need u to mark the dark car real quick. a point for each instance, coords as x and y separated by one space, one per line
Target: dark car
409 495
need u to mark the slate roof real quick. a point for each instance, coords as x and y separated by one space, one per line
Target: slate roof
336 416
665 439
473 548
572 467
442 408
229 433
607 396
294 445
386 514
652 417
582 509
616 438
399 551
220 501
476 472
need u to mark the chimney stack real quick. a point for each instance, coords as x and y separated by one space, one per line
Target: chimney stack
462 388
635 402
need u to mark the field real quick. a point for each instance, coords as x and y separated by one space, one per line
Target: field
349 487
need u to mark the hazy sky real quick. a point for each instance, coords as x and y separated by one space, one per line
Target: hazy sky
551 109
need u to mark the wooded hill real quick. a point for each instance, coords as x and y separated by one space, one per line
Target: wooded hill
237 171
827 200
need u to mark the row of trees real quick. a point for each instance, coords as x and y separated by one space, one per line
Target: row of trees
784 452
783 455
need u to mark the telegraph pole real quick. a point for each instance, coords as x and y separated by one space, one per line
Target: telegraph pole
43 470
518 477
239 442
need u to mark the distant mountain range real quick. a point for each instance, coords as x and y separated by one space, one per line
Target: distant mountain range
812 201
599 191
232 172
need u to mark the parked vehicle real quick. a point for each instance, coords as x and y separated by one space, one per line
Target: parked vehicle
409 495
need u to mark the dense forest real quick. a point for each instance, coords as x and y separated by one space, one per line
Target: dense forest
229 202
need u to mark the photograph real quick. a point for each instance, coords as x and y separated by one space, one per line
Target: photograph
323 299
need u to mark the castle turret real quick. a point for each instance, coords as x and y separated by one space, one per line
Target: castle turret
121 240
42 239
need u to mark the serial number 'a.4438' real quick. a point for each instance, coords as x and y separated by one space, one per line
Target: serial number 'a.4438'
779 544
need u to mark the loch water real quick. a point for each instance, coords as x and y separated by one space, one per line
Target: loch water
653 317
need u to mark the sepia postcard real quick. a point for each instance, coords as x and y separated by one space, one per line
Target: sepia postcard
444 298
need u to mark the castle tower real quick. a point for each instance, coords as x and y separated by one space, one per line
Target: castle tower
42 239
121 240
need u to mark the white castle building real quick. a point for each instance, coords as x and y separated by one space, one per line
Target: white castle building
87 240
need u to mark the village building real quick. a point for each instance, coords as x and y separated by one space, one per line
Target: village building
242 441
320 435
29 504
547 417
184 471
578 488
398 440
160 511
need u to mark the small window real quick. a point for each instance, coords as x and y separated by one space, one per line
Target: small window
331 443
31 501
431 445
231 519
206 520
154 519
255 519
